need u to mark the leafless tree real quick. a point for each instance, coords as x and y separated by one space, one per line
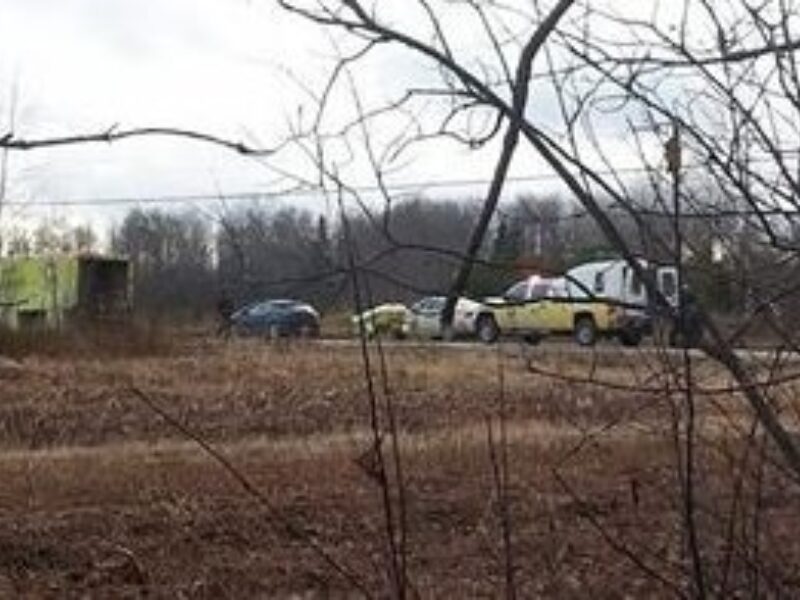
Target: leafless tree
171 254
724 105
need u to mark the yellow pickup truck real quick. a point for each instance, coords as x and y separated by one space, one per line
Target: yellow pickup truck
539 306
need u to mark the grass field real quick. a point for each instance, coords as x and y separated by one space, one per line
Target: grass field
102 496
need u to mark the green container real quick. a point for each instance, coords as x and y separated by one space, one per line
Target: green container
47 292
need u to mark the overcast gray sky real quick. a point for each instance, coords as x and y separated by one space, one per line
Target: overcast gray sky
218 66
84 65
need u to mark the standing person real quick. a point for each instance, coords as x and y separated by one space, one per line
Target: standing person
224 312
687 330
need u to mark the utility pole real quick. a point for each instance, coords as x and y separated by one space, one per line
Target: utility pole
3 178
12 114
672 155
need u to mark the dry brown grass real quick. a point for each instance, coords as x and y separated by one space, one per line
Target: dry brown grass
101 497
90 339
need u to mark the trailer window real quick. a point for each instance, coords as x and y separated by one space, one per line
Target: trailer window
599 283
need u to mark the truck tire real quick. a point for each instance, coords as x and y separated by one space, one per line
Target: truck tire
486 329
585 331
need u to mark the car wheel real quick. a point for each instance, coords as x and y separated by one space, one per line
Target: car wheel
585 331
306 328
487 329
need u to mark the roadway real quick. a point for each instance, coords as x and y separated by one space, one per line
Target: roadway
607 348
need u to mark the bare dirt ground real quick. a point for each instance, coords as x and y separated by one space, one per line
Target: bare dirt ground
101 496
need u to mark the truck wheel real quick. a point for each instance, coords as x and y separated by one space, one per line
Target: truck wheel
487 329
585 331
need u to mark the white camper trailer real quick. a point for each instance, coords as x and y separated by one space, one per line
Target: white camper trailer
615 281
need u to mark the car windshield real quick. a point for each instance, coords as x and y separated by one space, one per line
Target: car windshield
261 308
281 304
436 304
431 304
267 306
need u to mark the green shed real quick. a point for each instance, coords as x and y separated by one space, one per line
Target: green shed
47 292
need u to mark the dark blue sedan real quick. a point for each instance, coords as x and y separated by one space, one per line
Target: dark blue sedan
276 318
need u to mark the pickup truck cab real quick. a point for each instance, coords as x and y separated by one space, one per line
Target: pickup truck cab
537 307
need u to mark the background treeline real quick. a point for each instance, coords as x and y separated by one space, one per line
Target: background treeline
185 261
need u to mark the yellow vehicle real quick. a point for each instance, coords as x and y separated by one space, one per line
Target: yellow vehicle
538 306
385 319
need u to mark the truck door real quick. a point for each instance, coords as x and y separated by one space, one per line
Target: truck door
557 307
633 290
426 317
540 312
517 306
668 284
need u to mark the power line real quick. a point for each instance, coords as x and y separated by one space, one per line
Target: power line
688 214
300 192
292 193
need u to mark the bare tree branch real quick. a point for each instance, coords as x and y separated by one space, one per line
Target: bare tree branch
11 142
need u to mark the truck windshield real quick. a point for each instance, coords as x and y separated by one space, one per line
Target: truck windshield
518 291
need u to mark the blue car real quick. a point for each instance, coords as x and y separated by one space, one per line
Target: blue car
276 318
